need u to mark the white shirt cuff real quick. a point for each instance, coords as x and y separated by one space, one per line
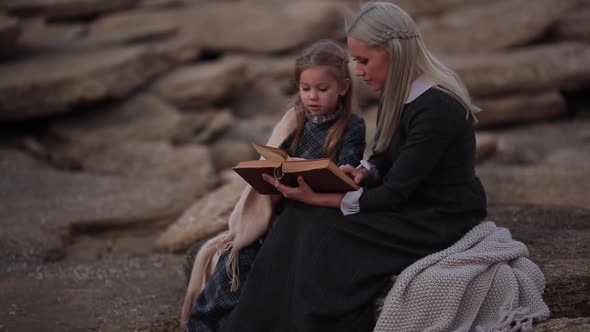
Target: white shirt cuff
350 202
371 168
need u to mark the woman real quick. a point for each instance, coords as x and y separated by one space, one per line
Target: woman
329 255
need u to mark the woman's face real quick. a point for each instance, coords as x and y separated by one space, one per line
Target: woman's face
371 64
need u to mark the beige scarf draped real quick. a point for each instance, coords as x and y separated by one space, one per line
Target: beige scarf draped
249 220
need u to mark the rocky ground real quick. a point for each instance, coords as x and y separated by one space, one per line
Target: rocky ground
119 121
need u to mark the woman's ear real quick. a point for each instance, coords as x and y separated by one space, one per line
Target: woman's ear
344 86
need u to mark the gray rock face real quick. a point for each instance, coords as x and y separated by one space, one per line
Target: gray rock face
573 26
534 68
127 27
10 31
206 217
144 119
37 87
57 9
420 8
564 325
520 108
475 29
202 84
559 241
39 34
42 205
156 160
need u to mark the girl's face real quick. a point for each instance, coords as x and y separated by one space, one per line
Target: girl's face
319 89
371 64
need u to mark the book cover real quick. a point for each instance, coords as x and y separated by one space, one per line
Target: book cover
322 175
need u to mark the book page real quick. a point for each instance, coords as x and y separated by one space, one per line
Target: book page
271 153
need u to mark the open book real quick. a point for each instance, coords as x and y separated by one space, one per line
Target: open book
322 175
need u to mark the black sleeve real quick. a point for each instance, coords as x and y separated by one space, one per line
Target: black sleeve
352 144
430 128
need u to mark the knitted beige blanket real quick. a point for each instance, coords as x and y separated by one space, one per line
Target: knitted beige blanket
484 282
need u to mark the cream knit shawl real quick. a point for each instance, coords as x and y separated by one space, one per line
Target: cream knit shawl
484 282
249 220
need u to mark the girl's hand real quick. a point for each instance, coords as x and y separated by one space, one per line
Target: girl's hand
303 193
357 174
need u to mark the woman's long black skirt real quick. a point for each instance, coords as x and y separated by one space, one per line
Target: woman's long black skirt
321 271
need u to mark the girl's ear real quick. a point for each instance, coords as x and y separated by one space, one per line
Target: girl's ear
344 86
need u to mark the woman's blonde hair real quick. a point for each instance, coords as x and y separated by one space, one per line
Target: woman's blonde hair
325 53
386 26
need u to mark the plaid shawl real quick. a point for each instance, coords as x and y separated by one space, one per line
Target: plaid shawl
248 221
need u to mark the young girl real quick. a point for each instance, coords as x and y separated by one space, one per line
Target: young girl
320 125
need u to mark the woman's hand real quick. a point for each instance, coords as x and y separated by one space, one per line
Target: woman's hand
357 174
302 193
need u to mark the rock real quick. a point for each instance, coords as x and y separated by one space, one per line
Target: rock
227 153
229 25
38 34
15 159
533 68
191 86
475 29
563 186
10 31
142 118
42 206
485 145
416 9
206 217
127 27
558 239
573 26
53 83
256 129
520 108
564 325
212 124
156 160
117 293
263 97
278 28
532 143
61 9
162 3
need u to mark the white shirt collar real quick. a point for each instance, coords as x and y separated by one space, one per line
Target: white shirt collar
418 87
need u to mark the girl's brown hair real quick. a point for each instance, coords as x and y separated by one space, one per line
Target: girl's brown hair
324 53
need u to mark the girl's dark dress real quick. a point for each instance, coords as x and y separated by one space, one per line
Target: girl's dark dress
216 300
320 271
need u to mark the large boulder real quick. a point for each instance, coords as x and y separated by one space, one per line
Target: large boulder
38 34
156 160
143 118
60 9
204 218
520 108
42 207
573 26
558 239
533 68
10 31
202 84
475 29
45 85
